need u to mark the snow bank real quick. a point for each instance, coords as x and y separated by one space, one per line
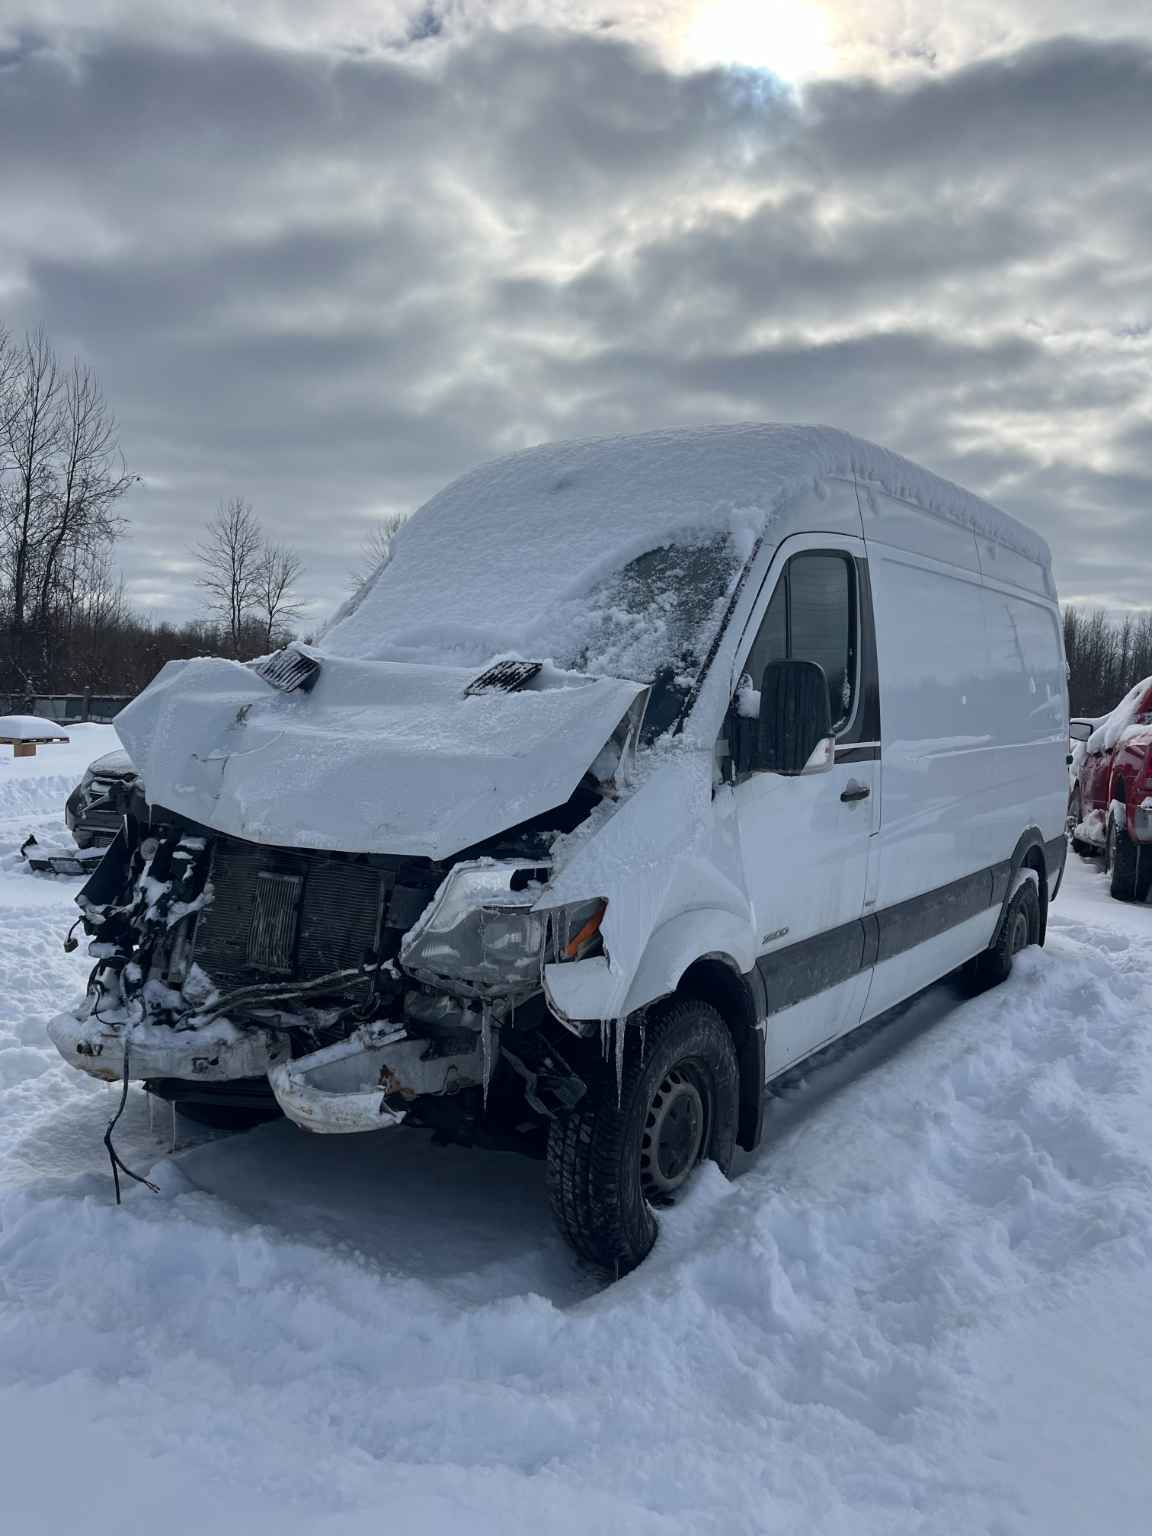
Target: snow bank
923 1308
511 558
33 789
63 759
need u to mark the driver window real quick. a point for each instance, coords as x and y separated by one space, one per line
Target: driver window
812 617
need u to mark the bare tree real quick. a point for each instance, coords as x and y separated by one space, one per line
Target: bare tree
276 604
61 475
375 548
32 432
89 477
230 555
9 365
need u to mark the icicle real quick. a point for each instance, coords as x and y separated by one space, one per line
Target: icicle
152 1114
486 1048
173 1147
619 1025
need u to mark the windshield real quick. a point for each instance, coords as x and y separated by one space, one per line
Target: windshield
653 621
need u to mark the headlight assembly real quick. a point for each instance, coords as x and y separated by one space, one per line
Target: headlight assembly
479 935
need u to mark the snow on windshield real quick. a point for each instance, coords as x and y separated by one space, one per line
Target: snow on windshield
659 611
567 552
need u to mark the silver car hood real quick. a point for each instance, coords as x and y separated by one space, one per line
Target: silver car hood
380 757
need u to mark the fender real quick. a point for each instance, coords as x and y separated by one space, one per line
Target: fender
680 942
1053 853
588 990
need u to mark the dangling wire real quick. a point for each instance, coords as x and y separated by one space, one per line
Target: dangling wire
118 1165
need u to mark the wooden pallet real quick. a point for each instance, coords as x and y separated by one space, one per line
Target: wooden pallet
25 746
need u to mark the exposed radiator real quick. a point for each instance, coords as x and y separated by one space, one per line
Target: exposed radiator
279 913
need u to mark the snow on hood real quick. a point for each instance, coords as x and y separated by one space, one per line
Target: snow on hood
1126 714
116 764
378 758
512 558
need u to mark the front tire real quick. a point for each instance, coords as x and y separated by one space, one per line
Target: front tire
626 1148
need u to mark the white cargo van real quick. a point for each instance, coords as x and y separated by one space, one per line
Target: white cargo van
641 770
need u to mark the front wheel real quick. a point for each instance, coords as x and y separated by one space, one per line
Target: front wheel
632 1144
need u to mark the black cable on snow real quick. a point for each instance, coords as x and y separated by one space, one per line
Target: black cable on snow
118 1164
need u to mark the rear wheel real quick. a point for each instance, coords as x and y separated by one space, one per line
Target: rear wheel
1019 928
1129 866
629 1147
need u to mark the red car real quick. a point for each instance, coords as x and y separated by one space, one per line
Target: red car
1110 810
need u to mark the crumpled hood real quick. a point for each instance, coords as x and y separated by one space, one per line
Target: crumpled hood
380 757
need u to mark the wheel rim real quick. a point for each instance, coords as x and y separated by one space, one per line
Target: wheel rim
1018 933
675 1133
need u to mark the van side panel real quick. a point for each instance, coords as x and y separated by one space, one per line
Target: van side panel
973 707
1000 564
901 525
936 724
1028 706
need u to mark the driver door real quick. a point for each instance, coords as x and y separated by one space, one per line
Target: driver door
807 839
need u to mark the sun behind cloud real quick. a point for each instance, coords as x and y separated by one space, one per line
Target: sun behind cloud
789 38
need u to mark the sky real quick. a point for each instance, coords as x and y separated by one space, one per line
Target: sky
327 254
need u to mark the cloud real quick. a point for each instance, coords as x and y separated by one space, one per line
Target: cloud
330 278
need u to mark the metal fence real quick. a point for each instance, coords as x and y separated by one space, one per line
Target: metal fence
66 708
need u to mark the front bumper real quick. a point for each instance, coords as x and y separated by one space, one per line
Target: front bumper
365 1082
217 1052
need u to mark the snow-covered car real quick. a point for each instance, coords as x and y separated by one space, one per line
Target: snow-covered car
1110 809
640 771
94 811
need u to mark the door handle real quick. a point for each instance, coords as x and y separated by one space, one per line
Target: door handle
856 791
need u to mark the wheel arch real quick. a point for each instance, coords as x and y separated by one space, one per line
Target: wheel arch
717 980
1032 851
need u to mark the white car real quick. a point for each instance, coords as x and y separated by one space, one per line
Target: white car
642 770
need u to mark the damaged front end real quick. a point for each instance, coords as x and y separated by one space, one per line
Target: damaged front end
367 988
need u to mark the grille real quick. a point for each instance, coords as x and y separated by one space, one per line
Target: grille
276 912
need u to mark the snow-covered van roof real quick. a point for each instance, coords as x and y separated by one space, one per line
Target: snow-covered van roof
510 558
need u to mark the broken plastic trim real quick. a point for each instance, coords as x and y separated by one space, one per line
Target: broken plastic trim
56 861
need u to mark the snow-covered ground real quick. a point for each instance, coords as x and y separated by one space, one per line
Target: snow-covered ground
923 1307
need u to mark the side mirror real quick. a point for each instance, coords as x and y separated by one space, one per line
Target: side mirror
1079 730
795 719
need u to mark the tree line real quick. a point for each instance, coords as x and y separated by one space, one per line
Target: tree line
65 623
67 627
1106 657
